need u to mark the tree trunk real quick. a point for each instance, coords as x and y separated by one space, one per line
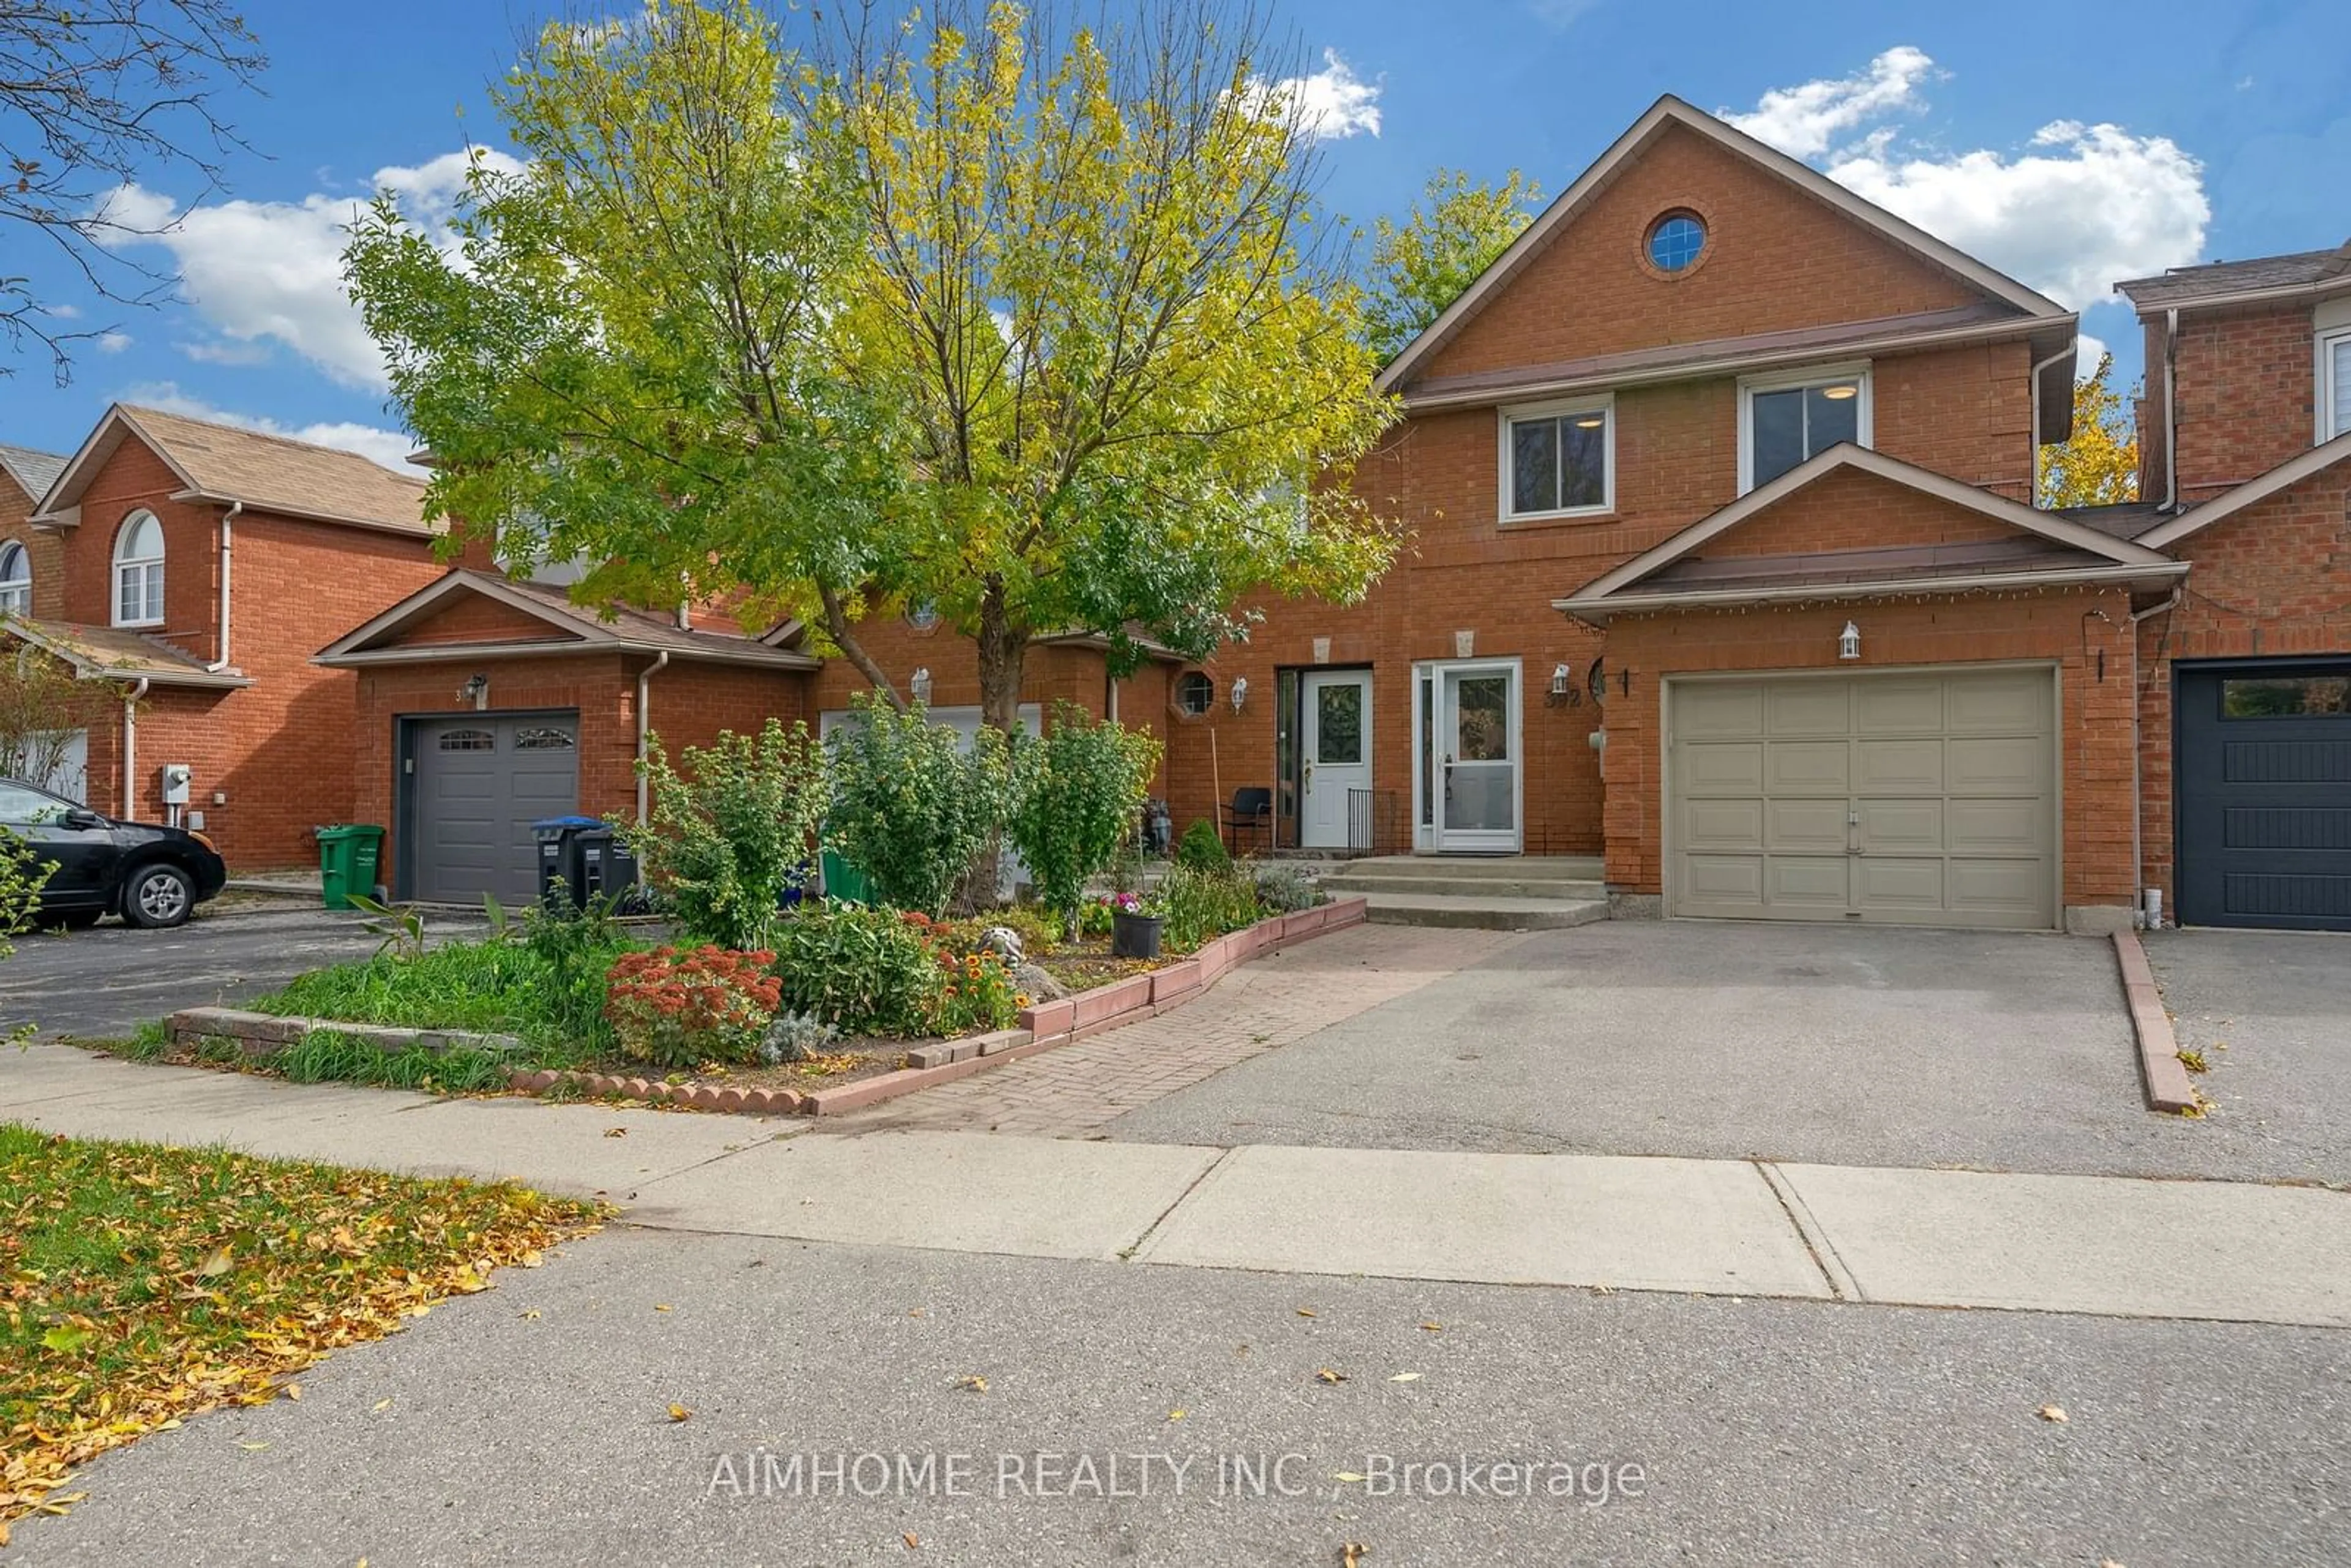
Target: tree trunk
1003 650
836 627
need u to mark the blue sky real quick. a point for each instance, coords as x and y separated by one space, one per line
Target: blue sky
2070 144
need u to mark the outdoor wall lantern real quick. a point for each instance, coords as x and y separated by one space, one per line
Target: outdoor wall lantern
919 682
1849 642
477 692
1239 689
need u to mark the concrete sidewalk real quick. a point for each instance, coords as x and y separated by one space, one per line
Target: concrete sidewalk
2112 1246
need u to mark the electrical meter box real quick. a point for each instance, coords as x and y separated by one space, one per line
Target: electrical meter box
177 777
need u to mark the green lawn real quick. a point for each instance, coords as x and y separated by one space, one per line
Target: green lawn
140 1285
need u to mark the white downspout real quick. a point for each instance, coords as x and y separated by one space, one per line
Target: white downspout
2032 443
131 701
2170 411
228 521
2138 808
645 730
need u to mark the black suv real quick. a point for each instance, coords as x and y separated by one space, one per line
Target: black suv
149 874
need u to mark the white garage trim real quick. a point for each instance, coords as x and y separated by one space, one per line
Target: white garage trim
1678 896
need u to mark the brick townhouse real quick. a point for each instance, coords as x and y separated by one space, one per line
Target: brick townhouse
1725 566
192 570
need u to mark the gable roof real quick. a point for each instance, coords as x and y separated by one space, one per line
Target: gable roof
584 629
2261 488
226 465
33 472
110 654
2235 282
2068 551
1670 111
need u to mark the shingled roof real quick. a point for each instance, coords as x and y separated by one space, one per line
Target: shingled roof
224 464
113 654
2219 280
33 472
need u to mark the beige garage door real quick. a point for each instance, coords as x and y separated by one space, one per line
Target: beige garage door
1921 800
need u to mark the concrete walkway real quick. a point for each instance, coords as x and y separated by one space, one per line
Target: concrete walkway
2112 1246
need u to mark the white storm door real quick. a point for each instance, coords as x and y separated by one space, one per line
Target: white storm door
1476 773
1336 706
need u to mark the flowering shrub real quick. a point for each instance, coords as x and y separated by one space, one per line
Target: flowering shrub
679 1007
976 993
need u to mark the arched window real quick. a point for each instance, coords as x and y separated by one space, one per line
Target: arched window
15 579
139 572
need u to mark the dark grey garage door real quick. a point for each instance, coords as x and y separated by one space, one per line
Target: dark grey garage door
2264 791
481 781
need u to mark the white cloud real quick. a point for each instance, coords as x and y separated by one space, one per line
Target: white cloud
1331 104
1807 121
113 342
263 272
2079 207
388 447
2088 352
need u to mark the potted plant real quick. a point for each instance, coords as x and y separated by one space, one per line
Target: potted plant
1134 926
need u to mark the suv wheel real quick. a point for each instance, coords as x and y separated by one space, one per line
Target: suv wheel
159 895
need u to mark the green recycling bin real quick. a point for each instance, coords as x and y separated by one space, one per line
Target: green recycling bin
347 854
844 881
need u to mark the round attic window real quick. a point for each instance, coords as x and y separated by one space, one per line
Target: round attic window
1675 242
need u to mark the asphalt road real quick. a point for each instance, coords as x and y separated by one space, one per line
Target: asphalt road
104 983
1878 1047
530 1425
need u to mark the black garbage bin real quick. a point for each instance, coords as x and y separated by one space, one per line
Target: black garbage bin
559 858
606 866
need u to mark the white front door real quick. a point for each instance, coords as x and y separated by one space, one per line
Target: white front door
1465 766
1336 707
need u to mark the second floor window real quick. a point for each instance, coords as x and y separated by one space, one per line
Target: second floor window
2335 386
15 579
1784 423
1557 460
139 572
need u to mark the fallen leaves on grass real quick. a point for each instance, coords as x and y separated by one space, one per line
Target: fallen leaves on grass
141 1285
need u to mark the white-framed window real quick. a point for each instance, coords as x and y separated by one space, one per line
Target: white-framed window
1785 420
139 572
2334 385
1559 459
15 579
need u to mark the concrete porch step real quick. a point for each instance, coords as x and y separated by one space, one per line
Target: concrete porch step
1466 887
1484 913
1479 868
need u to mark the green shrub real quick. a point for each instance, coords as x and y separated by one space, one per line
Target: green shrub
1076 791
679 1007
911 808
575 948
549 988
1201 847
1205 904
1283 888
732 831
863 970
23 875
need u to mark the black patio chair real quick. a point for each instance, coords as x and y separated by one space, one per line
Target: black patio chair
1251 811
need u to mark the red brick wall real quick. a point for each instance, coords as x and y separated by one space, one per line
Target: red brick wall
281 750
473 618
43 545
1775 258
2069 628
1853 510
2273 580
2245 384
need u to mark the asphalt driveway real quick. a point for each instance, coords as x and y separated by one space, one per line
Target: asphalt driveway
104 982
1877 1046
2270 1011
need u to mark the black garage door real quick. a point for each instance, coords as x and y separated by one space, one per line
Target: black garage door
2264 790
480 782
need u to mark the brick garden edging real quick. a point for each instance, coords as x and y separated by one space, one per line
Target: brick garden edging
2168 1087
1042 1028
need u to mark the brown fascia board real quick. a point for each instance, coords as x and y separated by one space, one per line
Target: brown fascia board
2313 289
446 653
1729 356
